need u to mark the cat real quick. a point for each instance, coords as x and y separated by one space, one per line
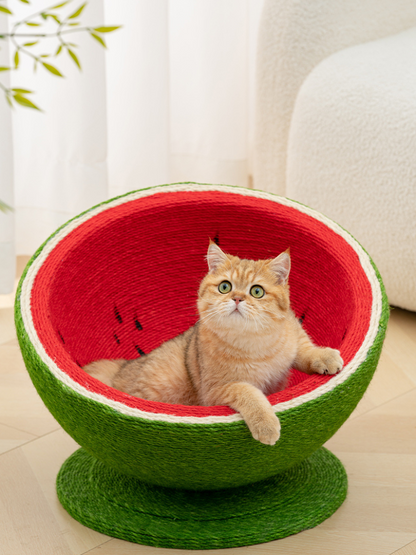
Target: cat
241 349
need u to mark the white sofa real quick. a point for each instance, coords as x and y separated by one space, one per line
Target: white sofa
336 124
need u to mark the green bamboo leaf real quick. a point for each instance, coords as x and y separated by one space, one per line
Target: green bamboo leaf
25 1
59 50
78 11
5 10
5 207
23 101
55 17
44 15
30 24
4 68
100 40
31 43
16 59
44 55
60 5
74 57
52 69
106 29
24 91
9 101
73 24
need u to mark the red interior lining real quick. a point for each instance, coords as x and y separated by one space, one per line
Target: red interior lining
126 280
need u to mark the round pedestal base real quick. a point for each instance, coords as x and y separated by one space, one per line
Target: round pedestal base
124 507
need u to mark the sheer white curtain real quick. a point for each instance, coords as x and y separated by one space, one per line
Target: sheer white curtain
171 100
7 221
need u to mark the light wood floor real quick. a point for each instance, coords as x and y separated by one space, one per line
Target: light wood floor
377 446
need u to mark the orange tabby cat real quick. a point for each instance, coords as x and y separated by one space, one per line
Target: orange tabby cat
240 350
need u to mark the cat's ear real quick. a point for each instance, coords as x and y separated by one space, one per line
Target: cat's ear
281 267
215 256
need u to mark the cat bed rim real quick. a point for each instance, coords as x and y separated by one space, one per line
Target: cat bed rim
40 257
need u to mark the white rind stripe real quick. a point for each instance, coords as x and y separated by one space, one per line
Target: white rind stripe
359 357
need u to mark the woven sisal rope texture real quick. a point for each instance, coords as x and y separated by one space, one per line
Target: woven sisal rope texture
70 302
122 507
129 324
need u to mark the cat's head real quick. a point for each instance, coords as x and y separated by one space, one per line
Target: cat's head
244 294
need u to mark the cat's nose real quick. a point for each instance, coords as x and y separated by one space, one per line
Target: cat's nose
237 300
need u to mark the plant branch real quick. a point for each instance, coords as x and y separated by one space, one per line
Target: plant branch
42 35
68 25
32 16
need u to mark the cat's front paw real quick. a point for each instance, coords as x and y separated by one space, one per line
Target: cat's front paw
266 430
326 361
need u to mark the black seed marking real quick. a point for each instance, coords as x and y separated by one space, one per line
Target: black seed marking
141 353
138 325
345 333
117 339
60 335
117 313
301 319
217 240
78 364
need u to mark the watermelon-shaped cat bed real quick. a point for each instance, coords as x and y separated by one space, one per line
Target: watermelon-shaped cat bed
121 278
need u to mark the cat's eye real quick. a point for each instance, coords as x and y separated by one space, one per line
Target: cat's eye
224 287
257 292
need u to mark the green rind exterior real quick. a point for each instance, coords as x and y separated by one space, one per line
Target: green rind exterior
196 456
122 507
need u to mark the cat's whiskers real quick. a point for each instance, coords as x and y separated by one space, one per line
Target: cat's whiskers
257 319
207 317
274 314
210 314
